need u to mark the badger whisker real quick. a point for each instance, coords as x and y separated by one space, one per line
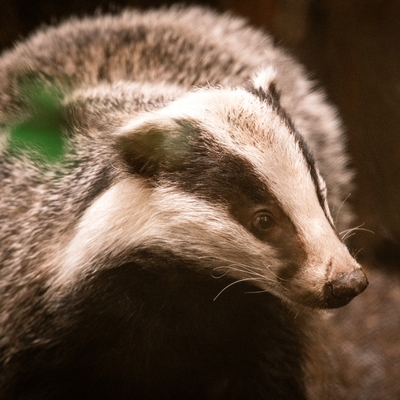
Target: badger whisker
246 268
349 235
257 291
340 208
233 283
355 255
243 269
350 232
272 272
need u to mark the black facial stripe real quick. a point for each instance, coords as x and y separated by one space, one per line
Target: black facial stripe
271 97
213 172
314 174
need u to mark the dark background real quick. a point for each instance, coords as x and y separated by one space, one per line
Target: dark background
352 47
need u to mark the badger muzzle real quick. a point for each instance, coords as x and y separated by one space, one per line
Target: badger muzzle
340 290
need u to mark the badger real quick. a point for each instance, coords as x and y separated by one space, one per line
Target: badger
182 246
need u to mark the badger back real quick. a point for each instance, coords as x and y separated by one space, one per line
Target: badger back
221 176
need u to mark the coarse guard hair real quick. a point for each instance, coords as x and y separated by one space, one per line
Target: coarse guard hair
180 247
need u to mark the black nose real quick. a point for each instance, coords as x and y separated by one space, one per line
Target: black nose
343 289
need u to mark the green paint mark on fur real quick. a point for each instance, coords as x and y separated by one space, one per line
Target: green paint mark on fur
41 133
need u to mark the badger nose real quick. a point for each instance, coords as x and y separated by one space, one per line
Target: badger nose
349 285
343 289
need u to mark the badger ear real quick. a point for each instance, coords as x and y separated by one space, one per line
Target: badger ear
154 144
263 85
264 78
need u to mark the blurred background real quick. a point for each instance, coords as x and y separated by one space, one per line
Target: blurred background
352 48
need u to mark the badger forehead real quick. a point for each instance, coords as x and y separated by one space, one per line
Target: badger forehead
239 121
252 128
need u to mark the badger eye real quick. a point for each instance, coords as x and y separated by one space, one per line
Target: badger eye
263 222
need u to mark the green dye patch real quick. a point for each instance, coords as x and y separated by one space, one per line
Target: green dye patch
41 133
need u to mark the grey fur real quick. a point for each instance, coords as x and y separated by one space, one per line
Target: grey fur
108 70
198 60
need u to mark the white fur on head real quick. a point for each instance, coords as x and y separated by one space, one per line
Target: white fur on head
131 215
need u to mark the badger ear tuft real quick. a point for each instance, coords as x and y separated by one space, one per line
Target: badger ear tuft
263 85
264 79
154 144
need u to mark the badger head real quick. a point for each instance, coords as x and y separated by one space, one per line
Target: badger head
222 176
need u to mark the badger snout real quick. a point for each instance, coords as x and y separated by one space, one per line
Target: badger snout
341 290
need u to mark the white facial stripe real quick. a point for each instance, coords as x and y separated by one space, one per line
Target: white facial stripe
130 215
108 225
